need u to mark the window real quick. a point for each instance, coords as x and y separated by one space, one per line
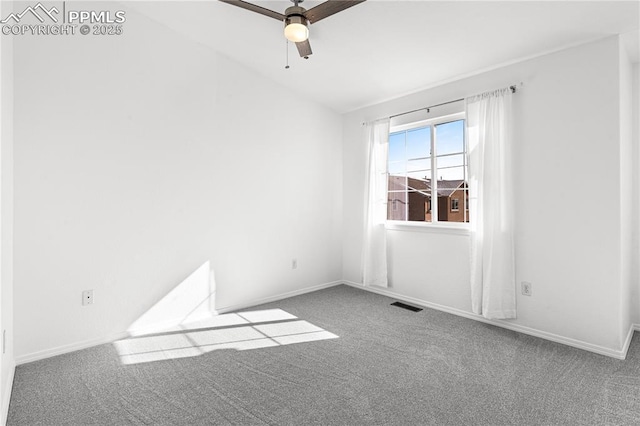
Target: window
427 171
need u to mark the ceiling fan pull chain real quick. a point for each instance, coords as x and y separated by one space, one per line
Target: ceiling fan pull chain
286 45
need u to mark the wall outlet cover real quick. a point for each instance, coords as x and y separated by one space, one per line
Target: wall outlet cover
87 297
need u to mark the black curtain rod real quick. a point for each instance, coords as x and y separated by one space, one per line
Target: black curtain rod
513 90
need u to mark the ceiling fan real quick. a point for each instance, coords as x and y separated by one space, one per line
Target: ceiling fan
296 18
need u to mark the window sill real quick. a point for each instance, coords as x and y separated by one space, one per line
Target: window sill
440 228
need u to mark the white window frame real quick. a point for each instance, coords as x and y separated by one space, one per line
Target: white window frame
440 226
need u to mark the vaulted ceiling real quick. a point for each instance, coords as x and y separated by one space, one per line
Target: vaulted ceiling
381 49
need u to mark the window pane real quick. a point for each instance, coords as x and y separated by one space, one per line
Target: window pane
423 175
450 161
448 174
397 183
398 168
409 165
450 137
451 196
396 147
418 165
397 206
451 172
419 143
417 184
418 206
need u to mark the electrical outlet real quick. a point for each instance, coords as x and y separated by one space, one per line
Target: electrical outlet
87 297
526 288
294 263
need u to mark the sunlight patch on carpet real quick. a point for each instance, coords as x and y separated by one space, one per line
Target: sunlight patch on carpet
239 331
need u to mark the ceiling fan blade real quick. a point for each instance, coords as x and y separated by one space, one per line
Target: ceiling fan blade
304 49
255 8
329 8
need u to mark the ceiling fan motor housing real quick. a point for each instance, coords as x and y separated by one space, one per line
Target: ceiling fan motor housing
295 14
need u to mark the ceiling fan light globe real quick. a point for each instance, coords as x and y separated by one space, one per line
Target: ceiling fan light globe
296 32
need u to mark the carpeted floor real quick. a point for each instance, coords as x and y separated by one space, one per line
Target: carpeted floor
388 366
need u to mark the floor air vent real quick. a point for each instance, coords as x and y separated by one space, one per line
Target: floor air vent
407 307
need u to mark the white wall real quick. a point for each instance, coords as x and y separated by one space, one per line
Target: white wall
635 289
627 190
140 157
6 216
568 239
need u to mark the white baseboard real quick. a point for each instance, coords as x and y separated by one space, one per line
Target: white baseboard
627 341
72 347
7 388
281 296
602 350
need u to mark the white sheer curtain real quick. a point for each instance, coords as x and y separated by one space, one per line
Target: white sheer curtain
374 261
491 205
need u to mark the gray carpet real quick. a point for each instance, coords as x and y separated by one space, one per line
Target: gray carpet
388 366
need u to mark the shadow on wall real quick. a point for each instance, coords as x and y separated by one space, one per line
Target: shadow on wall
185 324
